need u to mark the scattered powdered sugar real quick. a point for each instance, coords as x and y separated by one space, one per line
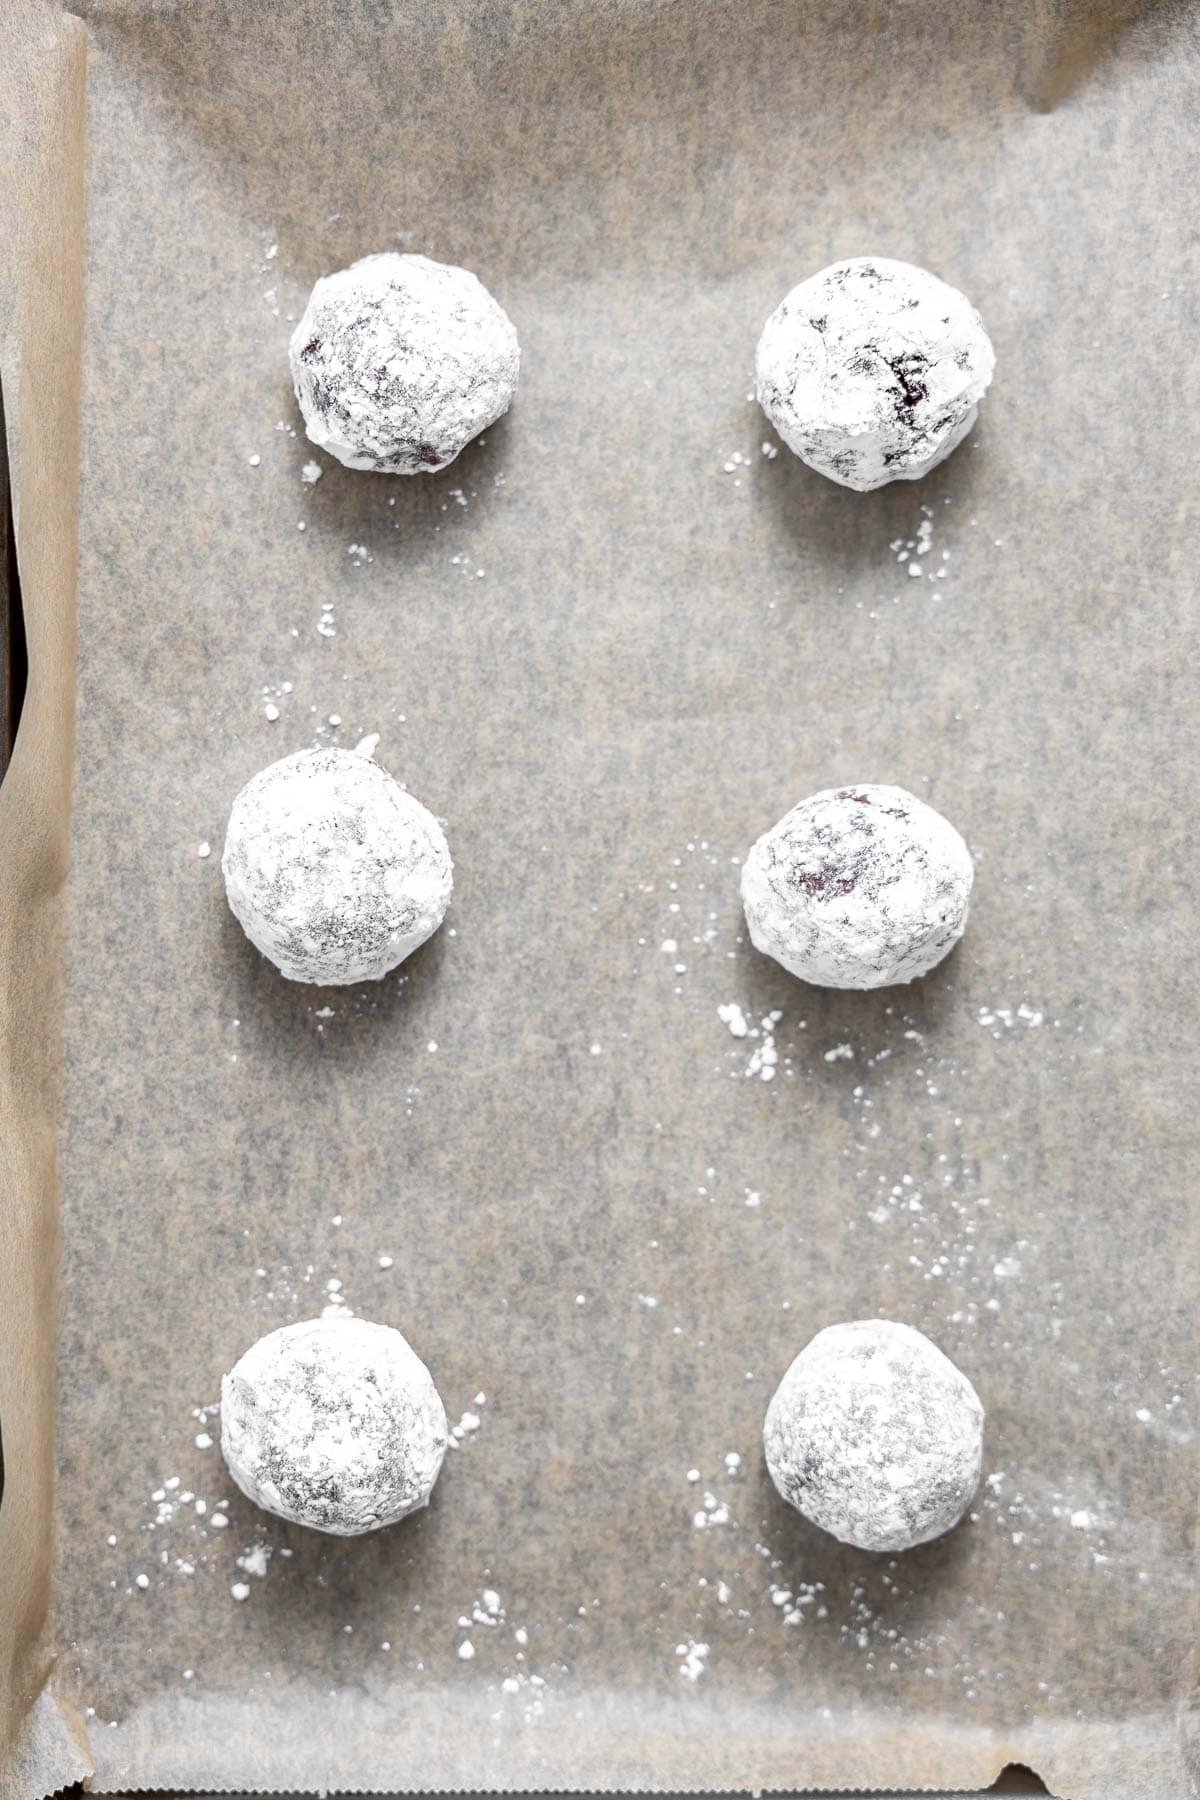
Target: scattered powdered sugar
467 1425
183 1514
487 1633
763 1059
912 554
693 1657
255 1560
1010 1017
711 1512
741 462
733 1016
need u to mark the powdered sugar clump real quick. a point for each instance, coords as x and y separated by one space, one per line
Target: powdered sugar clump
332 869
764 1056
875 1436
858 887
733 1017
872 371
399 361
334 1423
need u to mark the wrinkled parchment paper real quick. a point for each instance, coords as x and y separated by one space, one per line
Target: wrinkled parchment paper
609 646
41 309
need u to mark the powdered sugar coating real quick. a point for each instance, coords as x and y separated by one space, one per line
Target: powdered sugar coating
872 371
875 1436
399 361
858 887
333 1423
332 869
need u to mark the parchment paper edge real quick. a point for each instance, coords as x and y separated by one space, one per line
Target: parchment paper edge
42 130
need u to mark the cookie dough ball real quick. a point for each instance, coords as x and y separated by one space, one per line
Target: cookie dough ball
332 869
875 1436
334 1423
872 371
858 887
398 362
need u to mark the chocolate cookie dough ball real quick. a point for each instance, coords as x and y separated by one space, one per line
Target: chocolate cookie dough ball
332 869
398 362
872 371
858 887
334 1423
875 1436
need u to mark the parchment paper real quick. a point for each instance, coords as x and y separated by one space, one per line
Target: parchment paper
41 308
609 646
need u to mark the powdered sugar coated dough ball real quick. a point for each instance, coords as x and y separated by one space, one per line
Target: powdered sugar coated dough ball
399 361
334 1423
875 1436
872 371
858 887
332 869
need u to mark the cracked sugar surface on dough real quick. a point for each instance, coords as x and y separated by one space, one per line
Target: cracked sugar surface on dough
333 870
333 1423
874 1435
399 361
858 887
872 370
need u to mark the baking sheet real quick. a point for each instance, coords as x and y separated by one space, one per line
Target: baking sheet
609 646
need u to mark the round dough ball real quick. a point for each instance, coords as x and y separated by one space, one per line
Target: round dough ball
332 869
334 1423
398 362
858 887
872 371
875 1436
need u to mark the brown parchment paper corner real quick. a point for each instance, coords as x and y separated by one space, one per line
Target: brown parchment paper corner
609 651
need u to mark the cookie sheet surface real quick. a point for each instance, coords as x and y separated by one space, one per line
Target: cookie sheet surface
621 1167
